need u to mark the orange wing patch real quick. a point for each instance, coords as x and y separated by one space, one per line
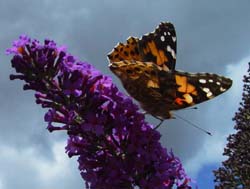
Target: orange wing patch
127 51
179 101
184 86
187 98
161 58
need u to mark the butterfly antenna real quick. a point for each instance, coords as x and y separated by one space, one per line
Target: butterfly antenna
192 124
191 108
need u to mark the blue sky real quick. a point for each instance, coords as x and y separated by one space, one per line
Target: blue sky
205 176
212 36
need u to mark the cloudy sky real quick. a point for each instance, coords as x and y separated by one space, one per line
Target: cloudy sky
213 36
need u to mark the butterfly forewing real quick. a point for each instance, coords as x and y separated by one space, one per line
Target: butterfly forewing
160 46
191 89
128 51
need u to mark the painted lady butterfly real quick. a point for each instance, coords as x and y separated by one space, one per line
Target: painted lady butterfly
146 68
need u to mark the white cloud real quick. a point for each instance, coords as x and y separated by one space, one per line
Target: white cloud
51 170
236 72
1 184
26 169
211 152
212 148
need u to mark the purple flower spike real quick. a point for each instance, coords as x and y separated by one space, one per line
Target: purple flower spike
116 148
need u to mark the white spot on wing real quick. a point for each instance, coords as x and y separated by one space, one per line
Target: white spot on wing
222 89
218 83
211 81
162 38
174 39
206 90
169 49
202 81
209 94
165 33
168 33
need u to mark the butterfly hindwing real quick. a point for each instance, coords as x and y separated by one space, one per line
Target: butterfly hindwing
128 51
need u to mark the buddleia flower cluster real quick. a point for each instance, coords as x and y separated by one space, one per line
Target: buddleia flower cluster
115 147
235 170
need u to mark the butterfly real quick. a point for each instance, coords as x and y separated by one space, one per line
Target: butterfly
146 68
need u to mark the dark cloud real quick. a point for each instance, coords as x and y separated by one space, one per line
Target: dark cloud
210 34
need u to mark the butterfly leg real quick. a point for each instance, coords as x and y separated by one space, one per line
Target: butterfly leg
161 120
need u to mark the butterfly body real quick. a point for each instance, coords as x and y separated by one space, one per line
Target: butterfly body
146 68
